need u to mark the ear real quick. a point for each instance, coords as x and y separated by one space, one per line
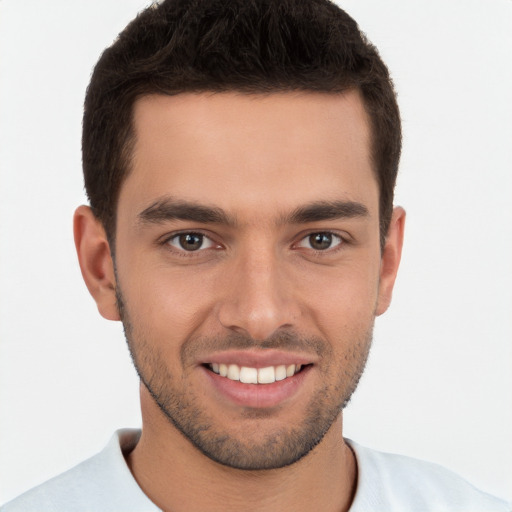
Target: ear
390 259
95 261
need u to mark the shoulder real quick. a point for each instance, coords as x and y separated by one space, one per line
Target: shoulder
395 482
103 482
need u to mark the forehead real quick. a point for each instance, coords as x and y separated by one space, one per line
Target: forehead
249 152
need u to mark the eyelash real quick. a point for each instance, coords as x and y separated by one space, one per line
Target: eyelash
336 239
341 241
183 252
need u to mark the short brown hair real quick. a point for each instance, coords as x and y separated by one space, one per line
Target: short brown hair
251 46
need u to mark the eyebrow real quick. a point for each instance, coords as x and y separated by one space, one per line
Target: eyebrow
168 208
327 210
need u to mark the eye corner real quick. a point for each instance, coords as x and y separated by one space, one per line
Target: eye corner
188 242
321 241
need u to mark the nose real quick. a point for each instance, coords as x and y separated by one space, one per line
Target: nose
258 297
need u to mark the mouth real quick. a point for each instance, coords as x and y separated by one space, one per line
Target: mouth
251 375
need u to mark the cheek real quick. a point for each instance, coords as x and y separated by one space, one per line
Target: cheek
167 304
343 301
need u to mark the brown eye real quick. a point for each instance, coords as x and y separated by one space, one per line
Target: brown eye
190 242
321 241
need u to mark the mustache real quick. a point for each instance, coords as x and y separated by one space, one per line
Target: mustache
286 341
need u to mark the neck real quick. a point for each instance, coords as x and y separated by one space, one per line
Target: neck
177 477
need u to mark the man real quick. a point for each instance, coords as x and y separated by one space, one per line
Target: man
240 159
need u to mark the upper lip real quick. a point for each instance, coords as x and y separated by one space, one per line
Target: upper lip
258 358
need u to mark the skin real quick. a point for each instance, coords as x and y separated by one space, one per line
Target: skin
257 285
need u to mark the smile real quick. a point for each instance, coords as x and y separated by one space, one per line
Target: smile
248 375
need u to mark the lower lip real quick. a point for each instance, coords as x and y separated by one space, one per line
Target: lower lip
258 396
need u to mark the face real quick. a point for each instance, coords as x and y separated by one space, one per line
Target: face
248 267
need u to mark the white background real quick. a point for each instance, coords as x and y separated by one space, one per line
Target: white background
438 385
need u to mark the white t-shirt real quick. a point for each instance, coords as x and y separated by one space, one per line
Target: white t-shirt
386 483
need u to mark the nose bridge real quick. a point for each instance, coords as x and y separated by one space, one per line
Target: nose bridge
257 296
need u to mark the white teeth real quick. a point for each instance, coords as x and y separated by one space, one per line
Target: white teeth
266 375
248 375
281 372
233 372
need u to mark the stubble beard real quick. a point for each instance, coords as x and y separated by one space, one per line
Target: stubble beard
249 450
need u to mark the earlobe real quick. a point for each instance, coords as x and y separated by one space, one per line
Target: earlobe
390 259
95 260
